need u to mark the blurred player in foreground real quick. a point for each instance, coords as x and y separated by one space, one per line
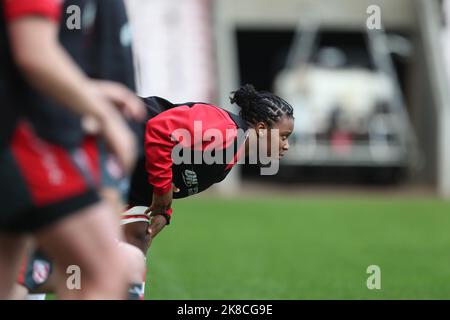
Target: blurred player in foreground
48 167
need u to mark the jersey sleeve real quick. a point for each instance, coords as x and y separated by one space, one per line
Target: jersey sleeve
15 9
160 138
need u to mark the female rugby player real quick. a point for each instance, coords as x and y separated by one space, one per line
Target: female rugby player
157 179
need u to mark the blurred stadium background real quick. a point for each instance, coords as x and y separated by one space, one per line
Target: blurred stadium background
368 176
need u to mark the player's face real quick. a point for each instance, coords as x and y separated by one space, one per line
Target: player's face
281 130
284 127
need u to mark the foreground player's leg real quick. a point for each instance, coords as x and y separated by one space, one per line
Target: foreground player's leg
12 249
136 271
36 277
87 240
135 258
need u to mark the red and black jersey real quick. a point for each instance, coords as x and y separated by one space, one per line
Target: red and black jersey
101 48
156 170
13 89
111 52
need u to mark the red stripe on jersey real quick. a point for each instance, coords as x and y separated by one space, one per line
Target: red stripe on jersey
15 9
137 216
49 170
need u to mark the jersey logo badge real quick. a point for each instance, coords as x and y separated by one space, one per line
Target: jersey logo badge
191 181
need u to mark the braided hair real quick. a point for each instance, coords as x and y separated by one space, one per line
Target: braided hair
260 106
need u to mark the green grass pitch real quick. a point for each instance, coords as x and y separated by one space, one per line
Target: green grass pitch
316 248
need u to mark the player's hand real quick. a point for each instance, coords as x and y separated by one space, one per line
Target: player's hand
158 222
117 135
120 140
125 100
161 202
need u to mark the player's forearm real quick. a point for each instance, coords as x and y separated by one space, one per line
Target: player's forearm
158 149
48 67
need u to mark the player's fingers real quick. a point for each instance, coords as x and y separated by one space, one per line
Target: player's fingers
126 159
121 142
90 125
129 104
149 230
136 106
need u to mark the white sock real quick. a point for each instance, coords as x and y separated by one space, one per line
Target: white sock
143 290
37 296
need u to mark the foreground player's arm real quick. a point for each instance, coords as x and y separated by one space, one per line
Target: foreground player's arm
124 99
48 68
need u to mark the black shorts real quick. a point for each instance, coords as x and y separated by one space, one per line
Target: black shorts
141 191
41 183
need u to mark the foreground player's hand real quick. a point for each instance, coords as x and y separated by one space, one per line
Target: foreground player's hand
120 140
124 99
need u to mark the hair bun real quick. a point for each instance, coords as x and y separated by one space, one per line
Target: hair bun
260 106
245 96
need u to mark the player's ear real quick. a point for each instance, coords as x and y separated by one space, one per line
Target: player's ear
261 129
